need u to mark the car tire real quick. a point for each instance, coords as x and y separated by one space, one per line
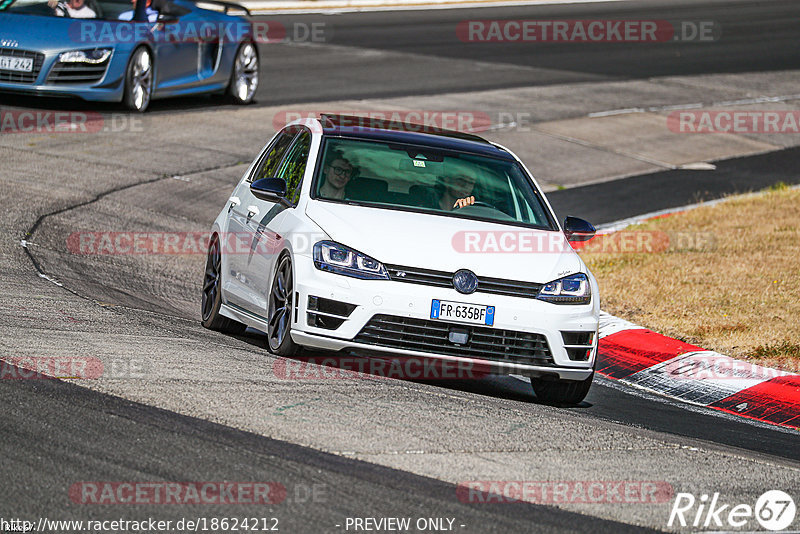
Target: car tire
244 75
280 309
212 294
561 391
138 80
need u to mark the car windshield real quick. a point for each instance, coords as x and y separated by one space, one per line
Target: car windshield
102 9
429 180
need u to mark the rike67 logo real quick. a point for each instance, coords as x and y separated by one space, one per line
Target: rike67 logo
774 510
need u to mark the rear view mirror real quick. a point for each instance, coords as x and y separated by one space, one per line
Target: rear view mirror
578 230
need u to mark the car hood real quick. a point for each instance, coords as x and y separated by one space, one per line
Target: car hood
42 33
443 243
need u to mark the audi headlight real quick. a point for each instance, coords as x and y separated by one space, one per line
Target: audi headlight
339 259
572 289
93 57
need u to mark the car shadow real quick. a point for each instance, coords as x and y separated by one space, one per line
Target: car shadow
157 107
314 365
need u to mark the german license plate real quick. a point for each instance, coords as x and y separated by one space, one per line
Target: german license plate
460 312
19 64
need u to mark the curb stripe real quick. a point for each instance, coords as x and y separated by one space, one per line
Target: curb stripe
682 371
632 351
678 378
775 401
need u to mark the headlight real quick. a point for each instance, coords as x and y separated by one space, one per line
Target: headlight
339 259
572 289
93 57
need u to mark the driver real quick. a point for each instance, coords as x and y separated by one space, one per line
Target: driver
456 191
74 9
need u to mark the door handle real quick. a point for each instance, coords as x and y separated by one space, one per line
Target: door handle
234 201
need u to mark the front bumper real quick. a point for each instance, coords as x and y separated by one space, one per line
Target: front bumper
106 88
408 300
88 94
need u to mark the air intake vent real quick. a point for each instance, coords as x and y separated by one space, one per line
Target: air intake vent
77 73
326 313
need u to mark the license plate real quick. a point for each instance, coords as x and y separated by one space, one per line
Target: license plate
19 64
461 312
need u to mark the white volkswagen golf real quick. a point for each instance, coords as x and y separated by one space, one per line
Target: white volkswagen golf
363 236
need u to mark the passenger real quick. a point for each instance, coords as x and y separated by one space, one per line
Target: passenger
74 9
152 14
337 174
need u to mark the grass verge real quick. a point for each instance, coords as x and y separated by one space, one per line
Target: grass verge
725 277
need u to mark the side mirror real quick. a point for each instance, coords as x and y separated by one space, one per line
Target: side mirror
270 189
578 230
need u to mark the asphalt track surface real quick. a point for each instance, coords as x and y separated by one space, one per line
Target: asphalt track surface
432 59
630 197
101 437
383 54
55 433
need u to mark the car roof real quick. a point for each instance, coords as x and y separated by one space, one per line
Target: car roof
412 134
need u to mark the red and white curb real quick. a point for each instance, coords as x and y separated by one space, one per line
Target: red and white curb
645 359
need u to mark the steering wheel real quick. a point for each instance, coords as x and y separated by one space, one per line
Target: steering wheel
63 10
478 204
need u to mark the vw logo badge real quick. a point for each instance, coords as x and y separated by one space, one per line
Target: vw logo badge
465 281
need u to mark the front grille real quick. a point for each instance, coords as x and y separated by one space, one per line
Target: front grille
420 276
497 286
21 77
77 72
509 287
425 335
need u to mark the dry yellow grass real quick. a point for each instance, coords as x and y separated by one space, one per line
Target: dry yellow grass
728 280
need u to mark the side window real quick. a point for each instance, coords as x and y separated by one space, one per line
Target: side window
269 163
294 166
